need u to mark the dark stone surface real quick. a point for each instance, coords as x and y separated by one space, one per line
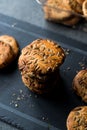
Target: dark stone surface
29 11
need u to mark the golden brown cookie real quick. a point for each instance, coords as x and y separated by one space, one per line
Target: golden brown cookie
80 84
39 61
42 56
84 8
55 11
6 54
12 42
77 119
63 11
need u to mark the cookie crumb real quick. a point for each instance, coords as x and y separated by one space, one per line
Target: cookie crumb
16 105
13 25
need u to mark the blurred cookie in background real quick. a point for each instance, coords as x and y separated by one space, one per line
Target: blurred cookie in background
66 12
80 84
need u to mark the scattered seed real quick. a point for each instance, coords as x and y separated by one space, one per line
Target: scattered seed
16 105
30 95
67 51
18 98
43 118
68 68
21 91
13 25
13 94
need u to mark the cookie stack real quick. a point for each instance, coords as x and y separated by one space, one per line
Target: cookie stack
39 64
8 50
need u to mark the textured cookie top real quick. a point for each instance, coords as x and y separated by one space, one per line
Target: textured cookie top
54 11
55 3
11 41
80 84
42 56
77 119
72 5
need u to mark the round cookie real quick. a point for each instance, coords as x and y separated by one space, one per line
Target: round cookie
80 84
77 119
42 56
39 61
64 11
12 42
6 54
55 11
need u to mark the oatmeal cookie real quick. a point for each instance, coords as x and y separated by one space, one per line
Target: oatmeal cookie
77 119
80 84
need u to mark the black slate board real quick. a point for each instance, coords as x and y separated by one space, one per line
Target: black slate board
26 110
